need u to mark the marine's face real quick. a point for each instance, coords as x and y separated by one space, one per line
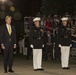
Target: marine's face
37 23
64 22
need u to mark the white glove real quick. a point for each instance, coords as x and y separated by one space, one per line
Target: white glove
31 46
42 45
59 45
70 45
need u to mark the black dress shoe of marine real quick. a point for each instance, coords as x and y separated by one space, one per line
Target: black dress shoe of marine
35 70
65 68
41 69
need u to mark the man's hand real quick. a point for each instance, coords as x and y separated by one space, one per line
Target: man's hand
14 46
2 46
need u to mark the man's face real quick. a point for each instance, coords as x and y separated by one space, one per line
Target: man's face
37 23
64 22
8 21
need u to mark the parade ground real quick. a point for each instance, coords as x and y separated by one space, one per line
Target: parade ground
22 66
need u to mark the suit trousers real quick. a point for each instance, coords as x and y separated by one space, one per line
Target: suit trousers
8 57
65 52
37 58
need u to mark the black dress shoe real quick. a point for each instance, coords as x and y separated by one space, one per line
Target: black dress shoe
5 71
41 69
11 71
65 68
35 70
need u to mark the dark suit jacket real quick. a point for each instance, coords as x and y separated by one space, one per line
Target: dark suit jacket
5 37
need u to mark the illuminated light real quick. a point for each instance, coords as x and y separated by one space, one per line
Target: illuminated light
3 7
3 1
10 3
12 8
17 15
2 15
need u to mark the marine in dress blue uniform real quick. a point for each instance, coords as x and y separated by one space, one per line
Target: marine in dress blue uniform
64 34
36 38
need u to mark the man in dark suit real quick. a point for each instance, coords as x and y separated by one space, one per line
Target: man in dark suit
8 43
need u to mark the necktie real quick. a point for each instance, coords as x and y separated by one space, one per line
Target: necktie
9 30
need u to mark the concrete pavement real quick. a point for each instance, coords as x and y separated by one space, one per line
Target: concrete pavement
22 66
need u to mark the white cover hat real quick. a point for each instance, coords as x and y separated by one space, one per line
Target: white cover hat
36 19
64 18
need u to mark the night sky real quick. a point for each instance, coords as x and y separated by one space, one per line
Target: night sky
28 7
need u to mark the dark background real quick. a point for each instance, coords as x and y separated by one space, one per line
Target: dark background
32 7
28 7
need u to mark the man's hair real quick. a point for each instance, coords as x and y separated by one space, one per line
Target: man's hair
8 17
